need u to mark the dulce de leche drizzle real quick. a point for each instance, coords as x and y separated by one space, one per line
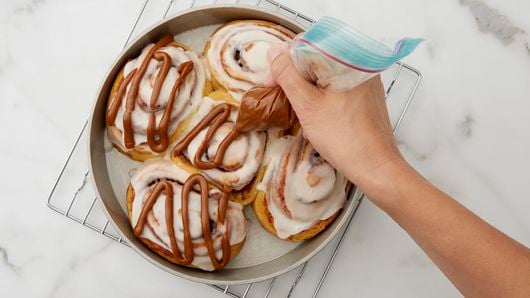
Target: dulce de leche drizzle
186 259
215 119
157 138
261 108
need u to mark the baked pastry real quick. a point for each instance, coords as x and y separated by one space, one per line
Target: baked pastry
236 54
180 217
209 144
151 96
187 206
300 193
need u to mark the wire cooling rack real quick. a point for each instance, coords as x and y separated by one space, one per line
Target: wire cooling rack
72 198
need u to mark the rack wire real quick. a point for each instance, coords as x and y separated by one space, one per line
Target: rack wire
72 198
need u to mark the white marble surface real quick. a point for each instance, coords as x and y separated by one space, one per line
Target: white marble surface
467 132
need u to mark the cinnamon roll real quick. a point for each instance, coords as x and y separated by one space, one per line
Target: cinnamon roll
180 217
211 145
236 54
300 193
151 96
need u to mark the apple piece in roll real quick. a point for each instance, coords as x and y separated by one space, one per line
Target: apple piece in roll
236 54
300 193
183 219
152 96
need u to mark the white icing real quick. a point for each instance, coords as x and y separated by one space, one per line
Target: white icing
186 100
235 219
245 154
307 199
252 41
323 177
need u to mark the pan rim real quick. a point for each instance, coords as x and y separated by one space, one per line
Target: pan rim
94 133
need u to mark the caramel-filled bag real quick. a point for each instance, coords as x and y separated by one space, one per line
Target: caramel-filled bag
333 56
264 107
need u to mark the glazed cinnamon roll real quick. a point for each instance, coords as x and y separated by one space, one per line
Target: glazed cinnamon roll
301 194
210 145
151 96
180 217
237 54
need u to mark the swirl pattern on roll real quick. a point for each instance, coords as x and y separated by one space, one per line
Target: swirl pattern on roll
237 54
201 144
182 220
301 188
156 92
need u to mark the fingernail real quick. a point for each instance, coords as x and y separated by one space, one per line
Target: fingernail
274 51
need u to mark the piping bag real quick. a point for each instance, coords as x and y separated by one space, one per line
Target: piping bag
331 55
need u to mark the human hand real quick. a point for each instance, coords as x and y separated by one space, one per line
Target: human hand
351 129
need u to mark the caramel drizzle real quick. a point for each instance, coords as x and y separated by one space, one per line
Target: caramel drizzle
215 119
187 258
157 138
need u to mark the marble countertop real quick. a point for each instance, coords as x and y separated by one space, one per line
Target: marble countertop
467 132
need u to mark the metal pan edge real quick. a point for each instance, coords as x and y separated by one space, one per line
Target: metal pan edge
175 24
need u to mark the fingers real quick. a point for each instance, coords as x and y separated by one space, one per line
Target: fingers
284 73
274 51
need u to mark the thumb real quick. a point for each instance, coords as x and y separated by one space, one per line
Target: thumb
284 73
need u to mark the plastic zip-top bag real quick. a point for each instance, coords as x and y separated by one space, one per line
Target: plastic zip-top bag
338 57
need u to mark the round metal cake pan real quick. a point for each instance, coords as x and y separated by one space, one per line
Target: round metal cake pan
174 25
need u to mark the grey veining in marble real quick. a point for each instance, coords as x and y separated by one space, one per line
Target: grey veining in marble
4 257
29 7
74 265
490 20
466 126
